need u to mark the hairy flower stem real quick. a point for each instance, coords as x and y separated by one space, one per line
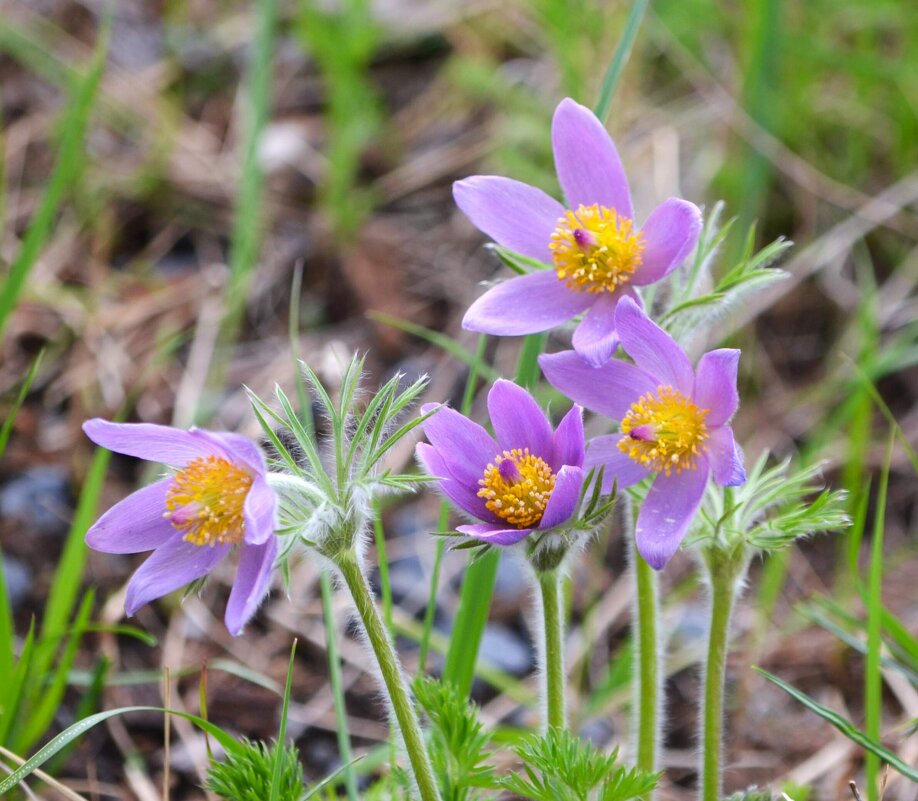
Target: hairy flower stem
392 676
725 574
646 637
553 646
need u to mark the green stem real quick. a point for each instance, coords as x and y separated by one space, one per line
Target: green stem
392 676
723 580
552 658
648 661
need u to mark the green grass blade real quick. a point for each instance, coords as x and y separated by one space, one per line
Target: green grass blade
79 728
845 727
481 575
445 343
383 561
334 672
873 678
70 161
69 574
48 691
248 218
282 729
7 428
7 634
619 59
12 692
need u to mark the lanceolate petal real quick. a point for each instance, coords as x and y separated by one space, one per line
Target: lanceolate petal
568 443
253 579
135 524
525 305
715 385
465 496
494 534
667 512
609 390
586 160
155 443
260 512
173 565
652 349
465 446
618 467
517 419
234 447
563 501
595 339
515 215
670 235
725 457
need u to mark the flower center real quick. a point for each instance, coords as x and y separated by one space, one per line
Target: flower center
665 431
517 486
595 250
206 501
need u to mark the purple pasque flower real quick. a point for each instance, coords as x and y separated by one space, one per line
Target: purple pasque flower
598 252
674 424
525 478
217 498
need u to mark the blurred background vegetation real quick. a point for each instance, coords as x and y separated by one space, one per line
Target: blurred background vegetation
171 168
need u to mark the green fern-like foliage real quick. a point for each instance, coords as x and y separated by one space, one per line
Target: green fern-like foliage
459 744
247 776
559 766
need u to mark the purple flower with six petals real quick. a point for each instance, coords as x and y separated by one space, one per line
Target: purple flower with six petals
527 478
598 253
674 424
217 498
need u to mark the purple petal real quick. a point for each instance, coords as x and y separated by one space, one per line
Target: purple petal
236 447
464 446
568 440
667 512
155 443
173 565
564 497
609 390
515 215
525 305
670 235
619 467
586 160
517 419
253 579
494 534
135 524
652 349
725 457
715 385
260 512
595 339
462 495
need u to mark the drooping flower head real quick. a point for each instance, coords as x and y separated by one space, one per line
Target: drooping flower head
217 498
525 478
598 252
674 424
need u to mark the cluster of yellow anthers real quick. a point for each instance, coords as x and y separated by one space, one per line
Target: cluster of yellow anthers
665 431
206 500
595 250
516 487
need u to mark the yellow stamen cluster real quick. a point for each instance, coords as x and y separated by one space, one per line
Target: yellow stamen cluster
664 431
595 250
522 498
206 500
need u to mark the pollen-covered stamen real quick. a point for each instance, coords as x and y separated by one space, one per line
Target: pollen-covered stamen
206 500
516 487
665 431
595 250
